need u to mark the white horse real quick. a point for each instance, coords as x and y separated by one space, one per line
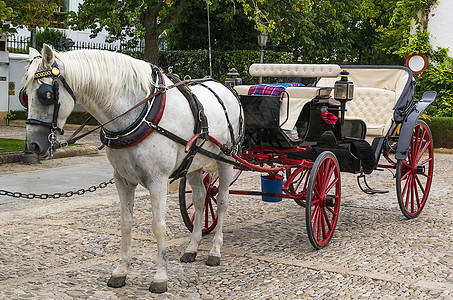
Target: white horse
107 85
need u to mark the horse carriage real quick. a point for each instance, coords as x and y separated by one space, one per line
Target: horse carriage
345 120
156 126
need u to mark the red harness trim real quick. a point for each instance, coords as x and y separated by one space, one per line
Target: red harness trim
155 122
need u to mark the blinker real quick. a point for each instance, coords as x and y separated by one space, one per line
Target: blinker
45 94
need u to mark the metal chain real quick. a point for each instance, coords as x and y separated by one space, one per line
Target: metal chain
56 195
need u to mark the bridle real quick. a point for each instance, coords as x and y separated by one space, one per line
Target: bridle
48 94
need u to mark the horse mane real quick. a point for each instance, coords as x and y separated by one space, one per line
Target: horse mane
101 76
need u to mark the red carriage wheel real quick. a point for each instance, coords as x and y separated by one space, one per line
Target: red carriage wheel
210 209
323 199
297 184
415 173
188 210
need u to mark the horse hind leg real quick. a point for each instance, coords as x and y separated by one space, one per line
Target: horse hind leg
225 174
195 181
126 192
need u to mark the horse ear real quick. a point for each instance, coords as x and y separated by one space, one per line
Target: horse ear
32 53
47 56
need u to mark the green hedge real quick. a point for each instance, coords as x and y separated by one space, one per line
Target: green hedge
442 131
195 63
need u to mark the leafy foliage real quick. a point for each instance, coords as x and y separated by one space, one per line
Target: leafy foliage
50 37
128 21
438 77
229 27
30 14
397 37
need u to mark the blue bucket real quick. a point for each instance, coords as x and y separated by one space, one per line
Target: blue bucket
271 184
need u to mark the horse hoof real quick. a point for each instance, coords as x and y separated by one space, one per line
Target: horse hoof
158 287
117 282
213 261
188 257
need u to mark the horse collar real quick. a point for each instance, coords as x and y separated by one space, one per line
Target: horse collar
143 126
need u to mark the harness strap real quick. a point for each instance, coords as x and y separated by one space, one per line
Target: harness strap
201 122
230 127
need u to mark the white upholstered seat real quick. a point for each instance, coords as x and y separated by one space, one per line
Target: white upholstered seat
376 92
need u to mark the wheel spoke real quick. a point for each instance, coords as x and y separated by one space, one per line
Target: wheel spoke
409 192
323 226
331 210
420 140
414 188
425 161
420 185
422 151
326 217
405 174
334 182
406 184
417 198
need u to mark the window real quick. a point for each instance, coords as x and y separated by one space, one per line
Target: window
59 15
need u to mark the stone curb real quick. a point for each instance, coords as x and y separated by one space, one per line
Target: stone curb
14 157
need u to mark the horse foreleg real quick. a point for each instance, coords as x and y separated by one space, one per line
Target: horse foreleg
126 193
225 175
158 193
195 180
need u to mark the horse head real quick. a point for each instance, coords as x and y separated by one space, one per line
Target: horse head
49 100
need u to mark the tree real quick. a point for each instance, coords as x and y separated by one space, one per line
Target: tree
128 21
30 14
230 29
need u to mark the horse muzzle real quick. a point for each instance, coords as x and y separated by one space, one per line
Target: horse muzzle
38 142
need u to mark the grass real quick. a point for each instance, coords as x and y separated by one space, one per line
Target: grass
11 145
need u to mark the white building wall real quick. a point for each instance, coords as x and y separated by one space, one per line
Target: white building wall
18 64
440 25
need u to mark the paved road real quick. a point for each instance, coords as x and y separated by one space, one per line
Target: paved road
67 248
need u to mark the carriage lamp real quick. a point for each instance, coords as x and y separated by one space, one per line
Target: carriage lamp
233 79
344 89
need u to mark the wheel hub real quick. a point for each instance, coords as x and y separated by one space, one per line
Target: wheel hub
420 169
328 200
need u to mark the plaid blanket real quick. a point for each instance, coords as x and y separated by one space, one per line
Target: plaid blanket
273 89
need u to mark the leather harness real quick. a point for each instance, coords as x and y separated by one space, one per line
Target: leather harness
135 133
147 122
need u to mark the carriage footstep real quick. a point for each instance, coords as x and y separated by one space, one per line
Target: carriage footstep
158 287
188 257
117 282
368 190
213 261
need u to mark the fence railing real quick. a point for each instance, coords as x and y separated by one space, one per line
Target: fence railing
21 44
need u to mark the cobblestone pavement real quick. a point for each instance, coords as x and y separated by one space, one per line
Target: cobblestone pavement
67 249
